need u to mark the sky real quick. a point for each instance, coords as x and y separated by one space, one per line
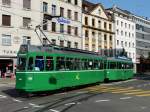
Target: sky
138 7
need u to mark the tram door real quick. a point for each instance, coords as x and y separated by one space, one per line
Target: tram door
125 72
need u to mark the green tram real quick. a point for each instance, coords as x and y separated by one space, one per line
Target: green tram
120 68
47 68
51 68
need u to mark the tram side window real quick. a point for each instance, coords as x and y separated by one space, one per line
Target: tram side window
119 65
112 65
90 67
105 65
129 66
69 63
77 64
101 65
39 63
21 63
49 64
85 64
60 63
30 63
96 64
123 66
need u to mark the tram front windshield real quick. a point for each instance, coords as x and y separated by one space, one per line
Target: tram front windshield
21 64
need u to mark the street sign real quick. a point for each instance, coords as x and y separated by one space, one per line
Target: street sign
63 20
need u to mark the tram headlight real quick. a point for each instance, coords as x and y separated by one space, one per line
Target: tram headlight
30 78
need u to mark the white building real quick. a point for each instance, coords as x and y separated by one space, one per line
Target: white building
98 29
125 36
65 31
142 36
18 19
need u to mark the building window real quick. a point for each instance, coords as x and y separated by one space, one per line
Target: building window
26 21
26 40
44 24
76 2
99 24
125 25
117 32
61 28
117 22
126 44
69 1
105 37
76 16
61 43
69 14
125 33
53 42
133 45
76 45
6 40
129 26
93 34
121 24
86 33
27 4
93 22
6 2
45 7
129 44
117 42
6 20
121 33
86 20
54 10
110 38
69 44
76 31
121 43
53 26
105 25
99 11
69 30
129 34
110 26
61 11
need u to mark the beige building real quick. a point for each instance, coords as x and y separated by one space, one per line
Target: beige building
98 28
18 19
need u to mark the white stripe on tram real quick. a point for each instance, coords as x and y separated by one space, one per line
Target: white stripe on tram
60 71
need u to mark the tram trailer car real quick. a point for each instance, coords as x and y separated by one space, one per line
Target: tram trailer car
46 68
120 68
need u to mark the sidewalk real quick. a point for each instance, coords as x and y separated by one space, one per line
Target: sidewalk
7 81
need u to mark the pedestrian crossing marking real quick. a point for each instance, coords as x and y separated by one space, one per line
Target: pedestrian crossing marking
120 90
142 95
142 92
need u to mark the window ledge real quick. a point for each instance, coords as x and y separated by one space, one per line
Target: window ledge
6 6
26 9
6 26
26 28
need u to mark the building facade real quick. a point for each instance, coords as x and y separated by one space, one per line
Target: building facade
125 37
98 29
142 36
66 30
18 19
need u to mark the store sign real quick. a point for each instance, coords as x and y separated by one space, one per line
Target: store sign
63 20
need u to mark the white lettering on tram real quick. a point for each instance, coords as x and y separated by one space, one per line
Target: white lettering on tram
2 96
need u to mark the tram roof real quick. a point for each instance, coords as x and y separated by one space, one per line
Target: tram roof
58 50
121 59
